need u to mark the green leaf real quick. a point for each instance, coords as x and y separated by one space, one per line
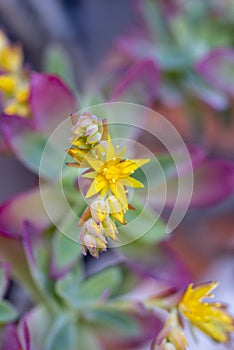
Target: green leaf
116 320
108 280
142 224
57 61
79 293
7 312
62 335
68 287
30 150
65 252
87 338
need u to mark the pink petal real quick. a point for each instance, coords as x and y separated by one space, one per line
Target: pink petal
51 101
139 84
217 68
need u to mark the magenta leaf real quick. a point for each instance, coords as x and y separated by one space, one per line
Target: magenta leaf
29 207
10 339
51 101
139 84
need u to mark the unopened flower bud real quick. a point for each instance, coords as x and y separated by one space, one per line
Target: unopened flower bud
110 229
92 238
116 209
100 210
94 228
88 126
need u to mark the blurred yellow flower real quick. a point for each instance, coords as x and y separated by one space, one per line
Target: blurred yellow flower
111 173
211 318
11 55
14 83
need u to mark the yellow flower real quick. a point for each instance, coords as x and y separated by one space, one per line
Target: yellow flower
8 84
11 56
211 318
111 173
171 335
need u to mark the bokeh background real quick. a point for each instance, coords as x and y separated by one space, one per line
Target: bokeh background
87 30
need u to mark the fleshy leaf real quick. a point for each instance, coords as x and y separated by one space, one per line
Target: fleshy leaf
7 312
29 207
78 293
10 338
62 334
217 68
56 61
140 84
213 183
65 254
143 225
37 255
33 328
12 250
28 144
51 101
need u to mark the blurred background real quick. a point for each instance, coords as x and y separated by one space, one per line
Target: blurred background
198 104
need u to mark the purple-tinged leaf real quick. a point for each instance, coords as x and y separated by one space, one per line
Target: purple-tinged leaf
38 255
213 183
29 207
217 68
37 322
51 101
10 339
139 84
11 249
23 140
24 335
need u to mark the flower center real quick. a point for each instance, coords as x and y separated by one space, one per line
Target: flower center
111 171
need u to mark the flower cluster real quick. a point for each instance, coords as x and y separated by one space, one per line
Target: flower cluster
14 79
210 318
92 148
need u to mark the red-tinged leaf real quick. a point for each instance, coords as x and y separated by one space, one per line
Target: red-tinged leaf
10 339
24 335
139 84
213 183
29 207
11 250
51 101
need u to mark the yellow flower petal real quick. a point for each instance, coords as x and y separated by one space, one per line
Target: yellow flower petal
131 182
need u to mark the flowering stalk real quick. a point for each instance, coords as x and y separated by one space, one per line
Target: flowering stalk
110 173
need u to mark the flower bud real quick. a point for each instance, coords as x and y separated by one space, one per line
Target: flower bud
89 127
92 239
100 210
110 229
116 209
